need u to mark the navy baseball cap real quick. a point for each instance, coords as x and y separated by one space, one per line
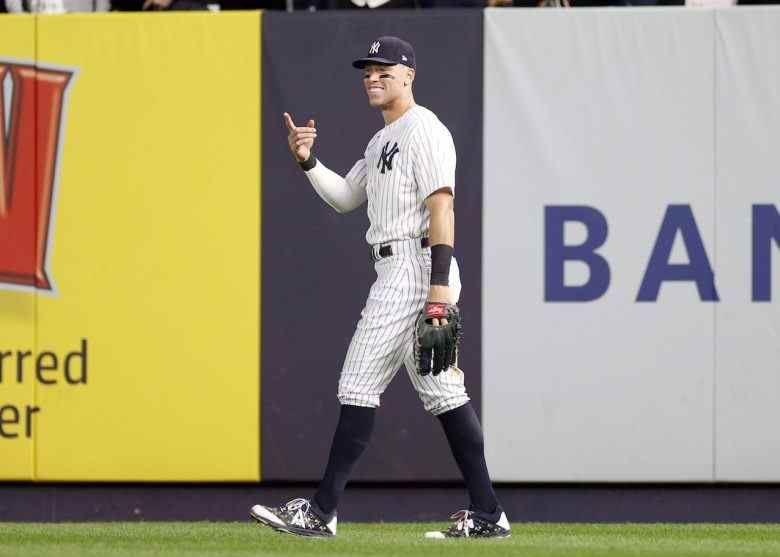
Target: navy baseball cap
388 51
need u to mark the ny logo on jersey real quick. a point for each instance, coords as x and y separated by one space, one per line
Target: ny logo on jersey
374 48
386 160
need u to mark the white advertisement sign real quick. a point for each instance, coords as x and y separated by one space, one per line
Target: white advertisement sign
604 240
747 374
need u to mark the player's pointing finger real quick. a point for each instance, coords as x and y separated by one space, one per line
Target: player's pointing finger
289 122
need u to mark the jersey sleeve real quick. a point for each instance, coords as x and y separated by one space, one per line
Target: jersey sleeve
356 178
433 159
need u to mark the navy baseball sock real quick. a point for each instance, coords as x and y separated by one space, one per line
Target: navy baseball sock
464 434
349 441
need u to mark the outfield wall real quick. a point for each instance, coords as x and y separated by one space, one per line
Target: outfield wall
617 219
130 314
318 245
631 335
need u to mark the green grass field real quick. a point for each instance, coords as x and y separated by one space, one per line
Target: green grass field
528 540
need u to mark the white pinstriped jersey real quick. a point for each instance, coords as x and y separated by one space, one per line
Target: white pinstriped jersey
404 163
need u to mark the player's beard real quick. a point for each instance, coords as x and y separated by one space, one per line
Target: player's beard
379 100
388 104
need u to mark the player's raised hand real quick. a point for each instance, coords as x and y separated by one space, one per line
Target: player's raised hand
300 139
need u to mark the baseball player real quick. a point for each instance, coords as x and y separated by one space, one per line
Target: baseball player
407 176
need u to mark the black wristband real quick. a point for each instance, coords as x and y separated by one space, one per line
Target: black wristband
441 256
309 163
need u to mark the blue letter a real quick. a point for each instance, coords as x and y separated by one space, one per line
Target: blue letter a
556 253
698 270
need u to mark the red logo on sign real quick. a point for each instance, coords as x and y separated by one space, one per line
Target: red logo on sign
31 112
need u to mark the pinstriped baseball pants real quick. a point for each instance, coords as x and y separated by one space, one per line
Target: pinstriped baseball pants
384 335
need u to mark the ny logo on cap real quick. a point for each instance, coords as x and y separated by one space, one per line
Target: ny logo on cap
374 48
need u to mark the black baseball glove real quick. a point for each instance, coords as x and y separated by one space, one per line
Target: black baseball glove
436 346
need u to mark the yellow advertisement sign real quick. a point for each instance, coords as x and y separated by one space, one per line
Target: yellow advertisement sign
17 307
144 278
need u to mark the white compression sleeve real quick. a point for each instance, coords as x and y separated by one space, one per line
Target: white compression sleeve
335 190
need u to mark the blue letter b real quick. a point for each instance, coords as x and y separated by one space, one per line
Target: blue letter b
556 253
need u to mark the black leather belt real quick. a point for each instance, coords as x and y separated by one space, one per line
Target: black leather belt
386 250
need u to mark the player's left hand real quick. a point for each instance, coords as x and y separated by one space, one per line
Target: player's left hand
436 346
441 295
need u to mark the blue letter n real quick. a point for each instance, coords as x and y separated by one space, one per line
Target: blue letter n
766 227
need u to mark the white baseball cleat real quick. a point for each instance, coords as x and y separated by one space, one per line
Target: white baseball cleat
294 517
469 525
